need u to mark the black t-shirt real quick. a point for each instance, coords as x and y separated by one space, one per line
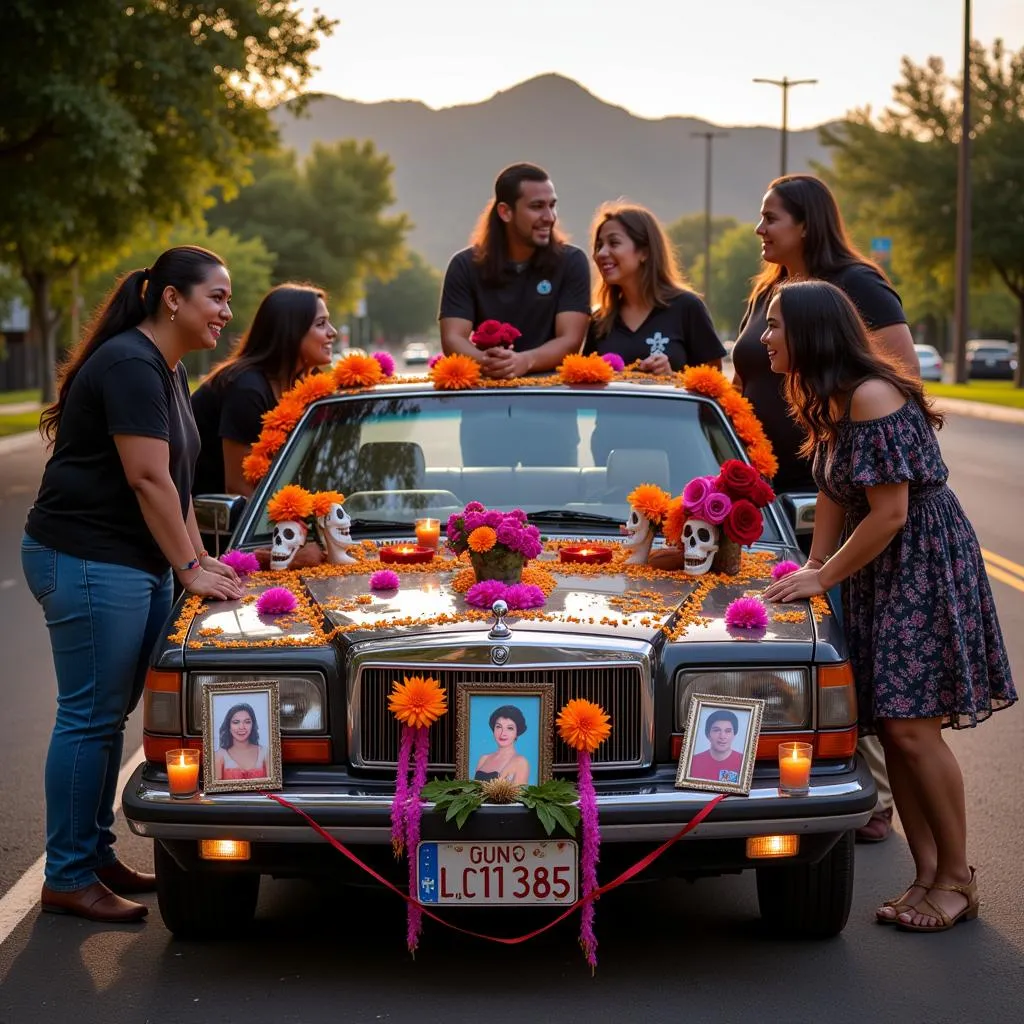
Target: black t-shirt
228 407
85 507
527 298
879 306
682 330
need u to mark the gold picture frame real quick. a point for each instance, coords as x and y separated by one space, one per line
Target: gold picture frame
705 762
478 707
261 699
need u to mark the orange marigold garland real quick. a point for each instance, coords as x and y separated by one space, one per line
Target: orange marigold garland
675 520
255 467
291 502
584 725
358 371
455 373
416 702
592 369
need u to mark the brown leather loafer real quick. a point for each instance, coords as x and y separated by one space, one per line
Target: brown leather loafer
95 903
878 827
126 881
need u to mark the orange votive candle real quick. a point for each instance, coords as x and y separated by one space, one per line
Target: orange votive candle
794 767
182 772
428 532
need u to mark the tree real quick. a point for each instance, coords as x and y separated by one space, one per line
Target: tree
323 218
687 235
407 304
115 119
735 259
899 174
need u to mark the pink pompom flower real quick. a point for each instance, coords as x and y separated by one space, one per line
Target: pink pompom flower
385 579
243 562
523 595
485 593
783 569
434 360
276 601
615 361
387 362
746 613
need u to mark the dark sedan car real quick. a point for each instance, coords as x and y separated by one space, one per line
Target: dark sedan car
991 360
642 647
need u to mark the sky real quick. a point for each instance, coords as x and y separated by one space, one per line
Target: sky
656 58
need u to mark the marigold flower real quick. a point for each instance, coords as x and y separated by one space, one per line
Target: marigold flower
763 458
291 502
255 467
283 416
650 501
592 369
323 500
455 373
311 388
734 403
583 725
706 380
483 538
270 443
675 520
357 371
418 701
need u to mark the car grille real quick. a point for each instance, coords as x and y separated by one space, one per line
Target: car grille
619 690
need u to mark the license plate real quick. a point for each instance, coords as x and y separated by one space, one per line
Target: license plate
485 874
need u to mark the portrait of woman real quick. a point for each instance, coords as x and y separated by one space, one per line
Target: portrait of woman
507 724
239 752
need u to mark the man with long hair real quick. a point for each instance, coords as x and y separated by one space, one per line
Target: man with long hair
519 270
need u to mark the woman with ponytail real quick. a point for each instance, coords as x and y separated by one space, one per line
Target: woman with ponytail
112 518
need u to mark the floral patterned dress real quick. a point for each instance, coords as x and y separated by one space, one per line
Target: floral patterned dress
920 619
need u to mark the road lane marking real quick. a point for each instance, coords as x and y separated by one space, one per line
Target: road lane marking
1005 577
20 900
1002 563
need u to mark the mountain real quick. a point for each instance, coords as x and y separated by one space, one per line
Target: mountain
446 160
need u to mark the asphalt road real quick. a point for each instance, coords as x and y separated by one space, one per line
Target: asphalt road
669 951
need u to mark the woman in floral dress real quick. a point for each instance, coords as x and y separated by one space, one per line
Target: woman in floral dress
920 620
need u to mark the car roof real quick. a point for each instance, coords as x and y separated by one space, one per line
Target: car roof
988 343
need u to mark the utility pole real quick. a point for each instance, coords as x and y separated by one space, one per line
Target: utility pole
961 300
785 84
708 138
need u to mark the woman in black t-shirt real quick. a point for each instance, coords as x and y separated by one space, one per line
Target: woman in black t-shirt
290 334
113 514
802 235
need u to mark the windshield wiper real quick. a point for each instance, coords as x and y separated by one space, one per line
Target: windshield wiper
381 524
561 515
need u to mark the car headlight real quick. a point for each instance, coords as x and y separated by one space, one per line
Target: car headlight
303 698
785 691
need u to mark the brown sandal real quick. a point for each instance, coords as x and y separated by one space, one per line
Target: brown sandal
969 913
899 903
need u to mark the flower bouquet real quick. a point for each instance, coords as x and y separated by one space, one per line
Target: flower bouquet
494 334
499 543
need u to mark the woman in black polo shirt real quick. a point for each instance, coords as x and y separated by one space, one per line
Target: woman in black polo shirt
290 334
112 516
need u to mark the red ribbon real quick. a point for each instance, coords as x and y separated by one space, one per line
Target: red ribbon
630 872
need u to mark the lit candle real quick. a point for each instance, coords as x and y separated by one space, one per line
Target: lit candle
406 554
794 768
182 772
428 532
589 554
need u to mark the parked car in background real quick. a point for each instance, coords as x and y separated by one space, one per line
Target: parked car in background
416 353
991 360
930 362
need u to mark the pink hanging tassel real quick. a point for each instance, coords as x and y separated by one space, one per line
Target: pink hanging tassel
414 919
589 858
399 807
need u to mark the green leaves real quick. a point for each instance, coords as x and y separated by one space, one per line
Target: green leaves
554 802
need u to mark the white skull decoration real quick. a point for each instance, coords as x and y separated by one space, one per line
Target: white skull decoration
639 536
335 530
699 544
289 536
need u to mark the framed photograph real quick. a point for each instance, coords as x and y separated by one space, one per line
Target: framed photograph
241 736
720 744
504 732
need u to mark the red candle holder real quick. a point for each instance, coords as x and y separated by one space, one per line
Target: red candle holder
406 554
588 554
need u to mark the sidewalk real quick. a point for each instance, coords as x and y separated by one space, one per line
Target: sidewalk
979 410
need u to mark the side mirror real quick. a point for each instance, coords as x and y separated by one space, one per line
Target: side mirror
800 510
217 516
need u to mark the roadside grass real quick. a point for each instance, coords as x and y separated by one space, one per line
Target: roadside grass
17 397
18 423
992 392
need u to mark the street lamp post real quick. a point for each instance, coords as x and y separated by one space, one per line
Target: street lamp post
785 84
708 138
961 299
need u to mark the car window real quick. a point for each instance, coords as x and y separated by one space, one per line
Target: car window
398 458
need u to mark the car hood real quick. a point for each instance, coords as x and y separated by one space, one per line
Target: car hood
600 605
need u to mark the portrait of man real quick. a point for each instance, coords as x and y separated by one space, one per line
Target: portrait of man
721 759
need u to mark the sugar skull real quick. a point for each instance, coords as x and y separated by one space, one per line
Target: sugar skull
289 536
335 533
639 536
699 544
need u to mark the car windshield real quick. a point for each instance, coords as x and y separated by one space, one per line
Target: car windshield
991 352
569 459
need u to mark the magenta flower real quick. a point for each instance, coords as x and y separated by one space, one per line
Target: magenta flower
474 506
276 601
485 593
387 362
615 361
746 613
695 493
243 562
783 569
385 579
717 507
524 595
434 360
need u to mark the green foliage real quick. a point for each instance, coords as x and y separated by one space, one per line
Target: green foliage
554 802
687 235
324 219
735 260
407 304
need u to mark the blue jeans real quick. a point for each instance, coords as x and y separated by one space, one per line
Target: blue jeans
104 620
